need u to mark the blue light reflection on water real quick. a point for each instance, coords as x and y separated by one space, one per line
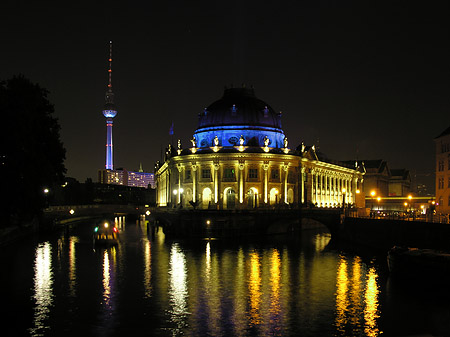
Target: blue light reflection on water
153 286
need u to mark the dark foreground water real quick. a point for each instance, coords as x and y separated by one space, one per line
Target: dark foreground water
276 286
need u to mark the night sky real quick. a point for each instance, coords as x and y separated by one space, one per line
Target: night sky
362 79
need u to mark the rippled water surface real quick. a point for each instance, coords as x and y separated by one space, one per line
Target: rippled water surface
61 285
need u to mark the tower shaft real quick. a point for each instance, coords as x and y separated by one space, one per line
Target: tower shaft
109 144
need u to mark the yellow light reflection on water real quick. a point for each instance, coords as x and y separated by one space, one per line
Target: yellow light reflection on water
72 266
106 279
240 295
178 287
341 295
43 287
147 269
321 241
255 289
355 292
356 298
371 301
275 276
208 261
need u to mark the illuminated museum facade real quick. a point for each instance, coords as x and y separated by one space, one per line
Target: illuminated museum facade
239 158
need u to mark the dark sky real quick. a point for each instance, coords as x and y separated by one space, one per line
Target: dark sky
366 79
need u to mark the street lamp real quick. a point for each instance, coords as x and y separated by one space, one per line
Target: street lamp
410 205
179 192
372 193
379 199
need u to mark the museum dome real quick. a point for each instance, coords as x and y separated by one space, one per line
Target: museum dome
239 106
239 115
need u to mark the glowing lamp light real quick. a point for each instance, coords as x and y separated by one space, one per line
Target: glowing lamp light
115 229
208 222
106 225
379 198
96 229
71 211
175 192
372 193
358 191
46 190
147 213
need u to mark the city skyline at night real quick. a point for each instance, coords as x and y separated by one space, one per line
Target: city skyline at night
355 80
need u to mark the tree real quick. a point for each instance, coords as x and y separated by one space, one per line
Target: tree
32 154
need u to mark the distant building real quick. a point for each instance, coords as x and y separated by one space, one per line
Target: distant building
384 181
126 178
443 172
399 183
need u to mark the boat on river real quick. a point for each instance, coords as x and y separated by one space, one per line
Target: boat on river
106 234
419 263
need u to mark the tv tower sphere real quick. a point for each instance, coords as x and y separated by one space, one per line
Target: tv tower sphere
109 111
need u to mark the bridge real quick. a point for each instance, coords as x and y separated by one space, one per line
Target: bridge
232 223
72 213
205 223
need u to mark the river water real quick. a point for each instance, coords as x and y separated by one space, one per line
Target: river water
60 285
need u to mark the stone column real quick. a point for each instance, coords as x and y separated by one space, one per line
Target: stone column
194 182
241 180
266 180
285 169
303 185
216 182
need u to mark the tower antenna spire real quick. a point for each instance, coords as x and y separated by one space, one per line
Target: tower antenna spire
110 67
109 111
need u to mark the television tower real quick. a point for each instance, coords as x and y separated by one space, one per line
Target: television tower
109 111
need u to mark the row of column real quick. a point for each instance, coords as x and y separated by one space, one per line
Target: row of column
332 190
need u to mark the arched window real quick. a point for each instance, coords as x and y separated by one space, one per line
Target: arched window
230 198
290 196
206 197
274 196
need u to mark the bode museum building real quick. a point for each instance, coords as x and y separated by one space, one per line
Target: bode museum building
240 158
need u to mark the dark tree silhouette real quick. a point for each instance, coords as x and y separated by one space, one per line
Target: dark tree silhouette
31 152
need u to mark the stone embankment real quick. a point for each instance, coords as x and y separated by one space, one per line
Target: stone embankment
384 234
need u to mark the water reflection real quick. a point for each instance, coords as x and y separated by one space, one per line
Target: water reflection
275 309
357 294
43 288
178 288
254 290
147 269
108 281
149 286
371 311
72 266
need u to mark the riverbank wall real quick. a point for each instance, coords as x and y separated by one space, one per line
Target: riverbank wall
384 234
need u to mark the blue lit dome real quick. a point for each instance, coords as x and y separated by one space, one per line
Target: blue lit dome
239 113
